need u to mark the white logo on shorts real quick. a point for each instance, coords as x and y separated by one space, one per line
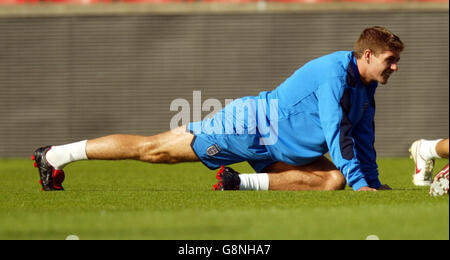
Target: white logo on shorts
213 150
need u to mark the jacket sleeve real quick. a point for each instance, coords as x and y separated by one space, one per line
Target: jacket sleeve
364 136
334 104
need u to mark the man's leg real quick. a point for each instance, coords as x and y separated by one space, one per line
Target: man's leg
319 175
423 152
442 148
169 147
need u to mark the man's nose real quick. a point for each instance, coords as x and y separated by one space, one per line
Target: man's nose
394 66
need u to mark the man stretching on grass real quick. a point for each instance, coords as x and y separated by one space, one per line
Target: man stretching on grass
325 106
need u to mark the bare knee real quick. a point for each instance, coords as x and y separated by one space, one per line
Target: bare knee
160 157
169 147
150 151
152 155
334 180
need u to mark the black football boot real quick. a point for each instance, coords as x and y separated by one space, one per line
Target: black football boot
51 179
228 179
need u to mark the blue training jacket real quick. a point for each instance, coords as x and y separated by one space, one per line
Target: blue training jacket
324 107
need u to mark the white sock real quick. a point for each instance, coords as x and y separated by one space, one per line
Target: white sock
259 181
60 156
428 149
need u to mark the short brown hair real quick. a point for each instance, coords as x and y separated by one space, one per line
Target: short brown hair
377 39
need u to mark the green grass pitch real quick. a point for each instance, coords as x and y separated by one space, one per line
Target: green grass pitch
134 200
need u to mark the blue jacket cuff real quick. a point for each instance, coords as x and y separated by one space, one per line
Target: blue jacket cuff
374 183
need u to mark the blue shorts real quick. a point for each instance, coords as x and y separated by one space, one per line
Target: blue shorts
215 150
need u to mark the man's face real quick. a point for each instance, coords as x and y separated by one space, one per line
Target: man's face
381 66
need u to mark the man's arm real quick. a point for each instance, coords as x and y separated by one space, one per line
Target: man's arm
336 127
364 137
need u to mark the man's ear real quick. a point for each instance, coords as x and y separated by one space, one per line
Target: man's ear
367 55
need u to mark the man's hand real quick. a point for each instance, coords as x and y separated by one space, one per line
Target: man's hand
382 187
366 188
